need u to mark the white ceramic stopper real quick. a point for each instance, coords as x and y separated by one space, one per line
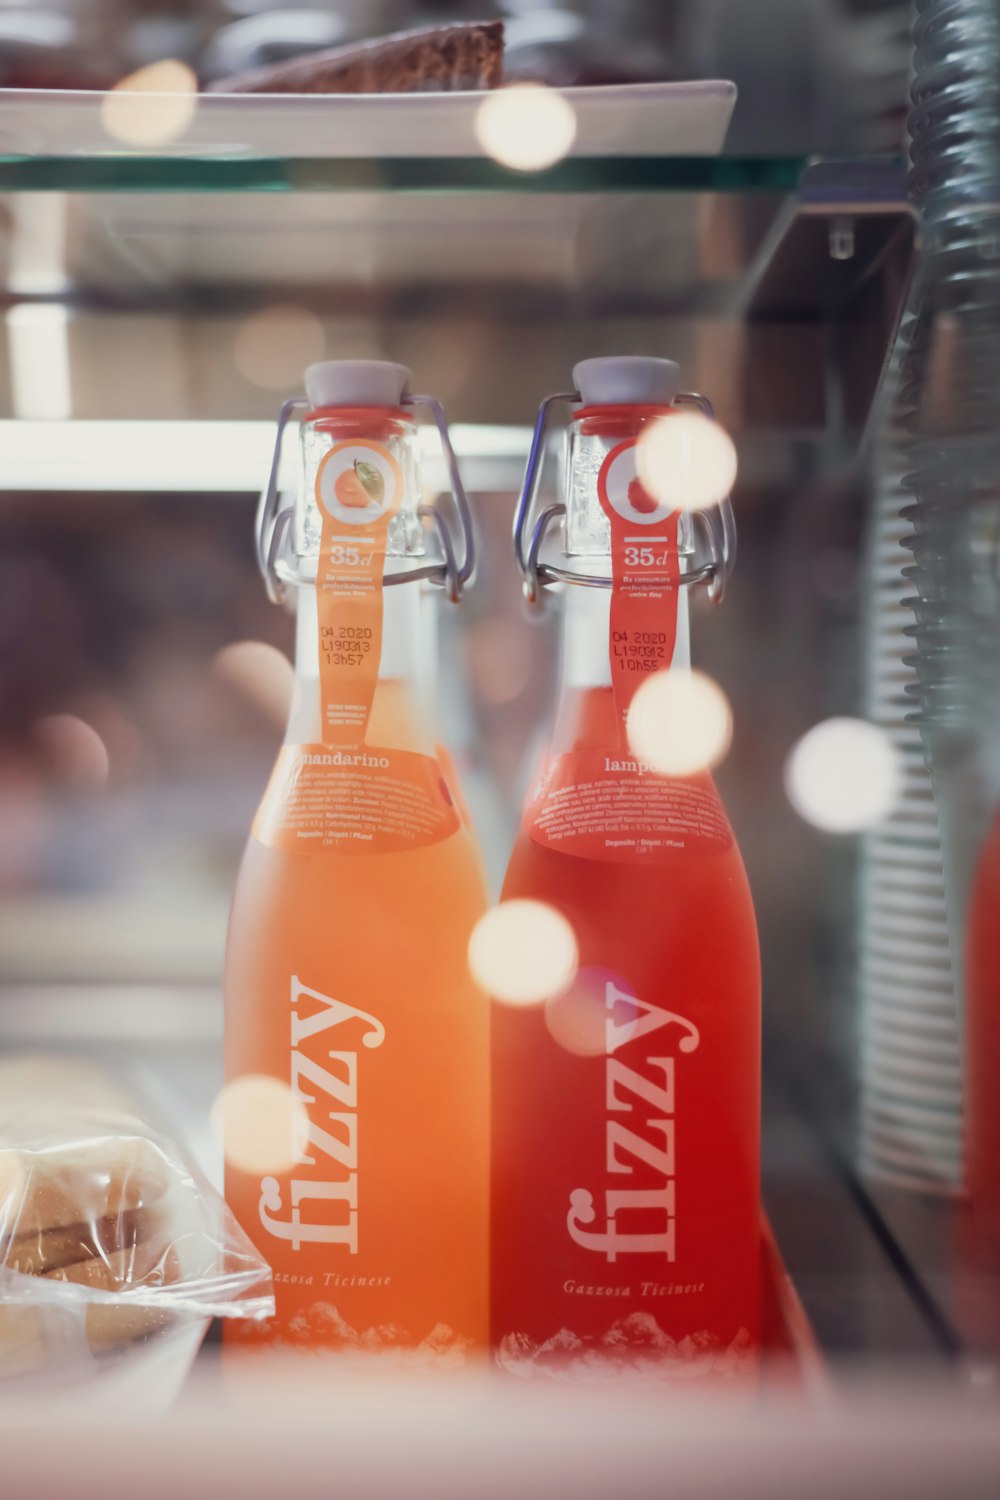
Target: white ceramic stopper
356 382
628 380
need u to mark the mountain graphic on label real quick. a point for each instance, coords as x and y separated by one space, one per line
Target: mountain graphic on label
634 1346
320 1328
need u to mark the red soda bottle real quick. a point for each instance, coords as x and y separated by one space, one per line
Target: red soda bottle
625 1178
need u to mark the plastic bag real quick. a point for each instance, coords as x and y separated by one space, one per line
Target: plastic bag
115 1252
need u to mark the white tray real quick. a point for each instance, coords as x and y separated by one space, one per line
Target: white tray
648 119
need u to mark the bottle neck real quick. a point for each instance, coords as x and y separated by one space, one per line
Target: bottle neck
338 447
601 437
586 716
397 719
586 638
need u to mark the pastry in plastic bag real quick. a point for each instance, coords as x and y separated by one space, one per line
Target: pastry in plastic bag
111 1243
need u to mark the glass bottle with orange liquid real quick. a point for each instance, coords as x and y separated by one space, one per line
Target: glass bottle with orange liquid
625 1200
356 1126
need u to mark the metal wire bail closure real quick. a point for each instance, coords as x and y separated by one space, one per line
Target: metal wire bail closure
267 532
717 526
452 573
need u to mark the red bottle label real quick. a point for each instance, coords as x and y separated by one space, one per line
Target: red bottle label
625 1234
602 804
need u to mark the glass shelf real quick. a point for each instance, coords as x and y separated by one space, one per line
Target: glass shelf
490 282
125 172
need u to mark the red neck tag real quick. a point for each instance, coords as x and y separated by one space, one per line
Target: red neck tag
645 570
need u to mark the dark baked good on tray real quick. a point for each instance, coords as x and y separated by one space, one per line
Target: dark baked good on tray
434 60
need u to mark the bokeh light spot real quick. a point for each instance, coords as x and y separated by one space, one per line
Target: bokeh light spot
263 1124
152 106
686 461
261 674
73 751
527 127
577 1017
843 775
522 952
679 722
121 734
273 346
500 659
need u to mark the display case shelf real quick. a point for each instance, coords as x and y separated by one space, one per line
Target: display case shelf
776 282
491 282
126 172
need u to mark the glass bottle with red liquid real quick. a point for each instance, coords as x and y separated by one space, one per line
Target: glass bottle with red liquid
625 1184
356 1122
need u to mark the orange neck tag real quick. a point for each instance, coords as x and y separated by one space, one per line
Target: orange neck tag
359 486
645 570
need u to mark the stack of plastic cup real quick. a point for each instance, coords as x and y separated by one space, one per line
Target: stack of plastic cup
910 1057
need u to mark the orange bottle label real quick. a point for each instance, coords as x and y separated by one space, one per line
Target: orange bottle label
353 801
358 488
347 983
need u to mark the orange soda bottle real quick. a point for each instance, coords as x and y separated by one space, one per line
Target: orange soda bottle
625 1197
352 1025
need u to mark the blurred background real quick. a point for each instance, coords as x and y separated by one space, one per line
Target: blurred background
116 606
146 343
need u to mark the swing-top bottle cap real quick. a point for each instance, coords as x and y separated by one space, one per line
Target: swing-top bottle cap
627 380
356 382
